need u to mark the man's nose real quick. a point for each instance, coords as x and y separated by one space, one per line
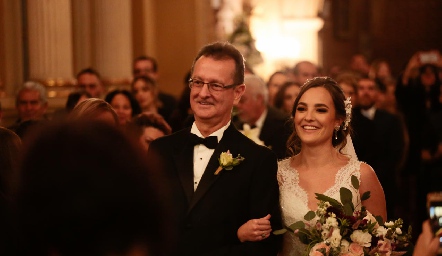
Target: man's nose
205 90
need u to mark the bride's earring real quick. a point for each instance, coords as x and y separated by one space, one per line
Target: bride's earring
336 132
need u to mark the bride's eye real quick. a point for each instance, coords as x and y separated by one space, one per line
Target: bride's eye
300 108
322 110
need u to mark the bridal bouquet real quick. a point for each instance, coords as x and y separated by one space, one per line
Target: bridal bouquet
339 229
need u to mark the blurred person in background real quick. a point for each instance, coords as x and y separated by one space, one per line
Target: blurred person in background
360 64
96 110
10 153
417 93
273 126
348 81
305 70
90 80
148 66
147 127
124 104
73 99
276 80
286 96
85 189
31 104
145 92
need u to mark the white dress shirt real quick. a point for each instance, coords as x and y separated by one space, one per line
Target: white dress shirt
369 113
202 154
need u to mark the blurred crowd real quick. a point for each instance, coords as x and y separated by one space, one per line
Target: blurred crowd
396 120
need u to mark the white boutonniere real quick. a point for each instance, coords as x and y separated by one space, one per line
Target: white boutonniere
227 161
252 133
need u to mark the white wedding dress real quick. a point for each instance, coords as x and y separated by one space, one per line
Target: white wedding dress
294 200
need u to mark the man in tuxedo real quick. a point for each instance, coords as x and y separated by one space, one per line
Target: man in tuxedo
378 140
274 127
207 208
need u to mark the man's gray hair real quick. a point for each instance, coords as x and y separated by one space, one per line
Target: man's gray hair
34 86
256 86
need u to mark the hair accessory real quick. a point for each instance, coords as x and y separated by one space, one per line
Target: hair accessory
348 107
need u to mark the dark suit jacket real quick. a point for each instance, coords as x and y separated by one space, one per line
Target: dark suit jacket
207 220
275 131
380 143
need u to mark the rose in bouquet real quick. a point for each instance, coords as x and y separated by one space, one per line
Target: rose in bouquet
339 229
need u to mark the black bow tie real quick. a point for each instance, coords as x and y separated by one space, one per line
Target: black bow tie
210 142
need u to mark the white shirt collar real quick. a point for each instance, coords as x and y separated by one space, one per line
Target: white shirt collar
218 133
369 113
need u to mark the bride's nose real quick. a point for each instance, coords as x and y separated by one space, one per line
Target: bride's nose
309 116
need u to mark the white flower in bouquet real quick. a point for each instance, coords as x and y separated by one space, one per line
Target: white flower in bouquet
252 133
331 222
381 232
371 219
344 245
361 237
335 238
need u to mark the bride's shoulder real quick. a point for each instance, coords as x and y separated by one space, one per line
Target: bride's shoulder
367 172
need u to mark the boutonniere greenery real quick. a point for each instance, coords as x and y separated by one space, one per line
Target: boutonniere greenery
227 161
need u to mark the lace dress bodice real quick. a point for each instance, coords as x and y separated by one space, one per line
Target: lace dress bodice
294 199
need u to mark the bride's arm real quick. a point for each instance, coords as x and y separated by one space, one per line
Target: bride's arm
255 229
369 182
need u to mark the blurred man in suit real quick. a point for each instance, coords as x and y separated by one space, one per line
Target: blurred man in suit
89 80
378 140
273 125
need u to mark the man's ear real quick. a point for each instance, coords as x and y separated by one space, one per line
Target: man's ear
238 92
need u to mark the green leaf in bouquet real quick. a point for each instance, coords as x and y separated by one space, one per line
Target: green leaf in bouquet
332 201
297 225
309 216
355 182
348 209
346 197
303 235
379 220
365 196
279 231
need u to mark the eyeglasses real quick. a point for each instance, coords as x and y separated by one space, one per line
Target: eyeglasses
213 87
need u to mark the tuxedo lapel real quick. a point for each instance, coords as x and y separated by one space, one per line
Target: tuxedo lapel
209 177
184 166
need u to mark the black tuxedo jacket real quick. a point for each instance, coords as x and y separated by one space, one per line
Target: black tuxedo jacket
207 220
275 131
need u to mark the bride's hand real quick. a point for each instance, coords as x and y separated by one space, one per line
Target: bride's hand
255 229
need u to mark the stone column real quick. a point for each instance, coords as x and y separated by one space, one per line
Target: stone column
112 39
50 40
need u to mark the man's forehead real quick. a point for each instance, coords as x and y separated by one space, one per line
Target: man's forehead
29 94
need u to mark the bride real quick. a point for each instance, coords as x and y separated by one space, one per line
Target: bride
321 119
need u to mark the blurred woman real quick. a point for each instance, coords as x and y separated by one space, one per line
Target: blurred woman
286 96
145 92
9 159
147 127
274 83
124 104
95 109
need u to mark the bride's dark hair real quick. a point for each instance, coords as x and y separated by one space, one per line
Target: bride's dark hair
294 142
